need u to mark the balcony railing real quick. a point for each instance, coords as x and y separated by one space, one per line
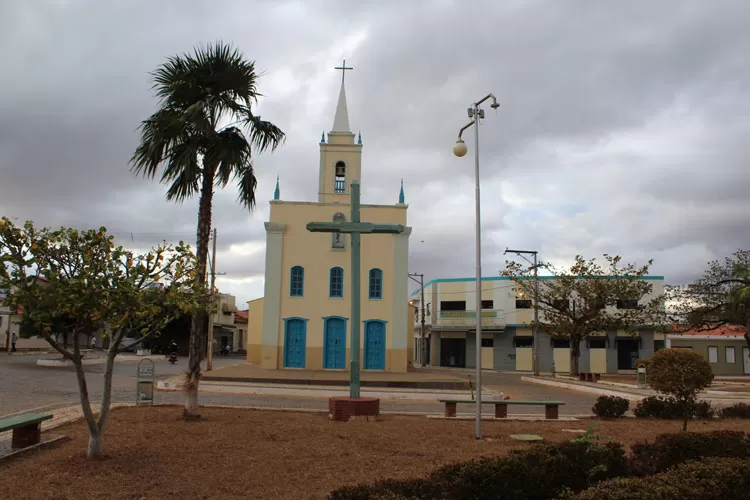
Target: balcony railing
340 186
466 314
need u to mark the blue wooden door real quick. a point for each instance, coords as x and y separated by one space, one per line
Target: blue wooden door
335 344
294 343
375 345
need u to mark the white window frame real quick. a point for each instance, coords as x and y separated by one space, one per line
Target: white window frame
733 357
715 350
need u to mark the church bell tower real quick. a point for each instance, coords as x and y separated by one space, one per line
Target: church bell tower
340 156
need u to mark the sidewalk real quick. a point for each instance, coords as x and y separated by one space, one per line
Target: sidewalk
292 388
413 379
633 393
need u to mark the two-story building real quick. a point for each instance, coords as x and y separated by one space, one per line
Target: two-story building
507 334
224 329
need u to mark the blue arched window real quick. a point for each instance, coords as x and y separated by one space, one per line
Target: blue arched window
376 284
337 282
297 285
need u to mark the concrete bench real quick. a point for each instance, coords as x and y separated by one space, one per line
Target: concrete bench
551 408
27 429
589 377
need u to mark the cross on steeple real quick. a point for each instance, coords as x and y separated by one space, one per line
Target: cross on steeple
343 69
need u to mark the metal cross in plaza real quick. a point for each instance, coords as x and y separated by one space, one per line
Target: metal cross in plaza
343 69
356 228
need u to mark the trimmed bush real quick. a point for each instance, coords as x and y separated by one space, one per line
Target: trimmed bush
680 373
610 406
537 473
669 408
711 479
737 410
388 490
668 450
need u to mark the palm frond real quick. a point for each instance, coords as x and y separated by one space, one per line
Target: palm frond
229 153
246 184
263 134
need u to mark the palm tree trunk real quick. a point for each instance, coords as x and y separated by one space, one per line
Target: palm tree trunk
198 325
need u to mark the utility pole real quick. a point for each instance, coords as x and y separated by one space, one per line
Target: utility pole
424 337
210 333
535 331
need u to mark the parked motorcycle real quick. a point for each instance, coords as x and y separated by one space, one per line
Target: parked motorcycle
173 358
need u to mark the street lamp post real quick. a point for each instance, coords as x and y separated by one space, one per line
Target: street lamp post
476 114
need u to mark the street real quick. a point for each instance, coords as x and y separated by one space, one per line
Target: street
25 386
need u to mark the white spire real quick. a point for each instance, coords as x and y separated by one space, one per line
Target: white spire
341 121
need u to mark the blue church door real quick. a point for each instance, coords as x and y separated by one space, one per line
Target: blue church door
335 344
295 338
375 345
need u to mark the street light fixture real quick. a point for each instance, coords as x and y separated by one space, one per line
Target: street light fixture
476 114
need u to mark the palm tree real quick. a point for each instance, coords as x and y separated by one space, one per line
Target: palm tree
197 137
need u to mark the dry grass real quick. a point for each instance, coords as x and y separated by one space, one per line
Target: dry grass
233 453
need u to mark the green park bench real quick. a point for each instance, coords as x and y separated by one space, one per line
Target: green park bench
27 429
551 408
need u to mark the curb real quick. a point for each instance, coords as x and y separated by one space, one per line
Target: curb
584 388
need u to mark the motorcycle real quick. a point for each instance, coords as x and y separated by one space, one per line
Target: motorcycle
173 358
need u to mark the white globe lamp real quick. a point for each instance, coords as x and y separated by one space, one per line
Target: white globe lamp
460 148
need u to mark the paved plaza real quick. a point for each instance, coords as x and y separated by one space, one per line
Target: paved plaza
25 386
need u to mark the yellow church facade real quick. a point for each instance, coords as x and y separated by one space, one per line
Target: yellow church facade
303 320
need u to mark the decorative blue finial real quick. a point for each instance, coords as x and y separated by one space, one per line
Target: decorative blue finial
276 192
323 137
359 140
401 194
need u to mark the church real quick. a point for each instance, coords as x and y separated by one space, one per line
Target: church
302 321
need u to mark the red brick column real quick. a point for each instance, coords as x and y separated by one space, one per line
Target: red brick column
501 410
551 412
26 436
340 408
450 409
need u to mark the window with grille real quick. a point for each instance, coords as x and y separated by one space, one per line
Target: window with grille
376 284
337 282
297 286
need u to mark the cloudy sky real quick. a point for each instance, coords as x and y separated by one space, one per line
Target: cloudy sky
623 126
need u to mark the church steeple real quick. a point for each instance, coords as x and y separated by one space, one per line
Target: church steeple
340 155
341 121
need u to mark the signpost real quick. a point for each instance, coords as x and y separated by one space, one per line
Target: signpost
144 393
356 228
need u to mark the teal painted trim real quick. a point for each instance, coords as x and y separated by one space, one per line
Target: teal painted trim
505 278
381 360
379 277
286 343
330 282
325 337
292 288
276 192
401 194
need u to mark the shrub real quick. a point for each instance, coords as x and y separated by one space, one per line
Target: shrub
737 410
668 450
388 490
670 408
711 479
537 473
610 406
681 373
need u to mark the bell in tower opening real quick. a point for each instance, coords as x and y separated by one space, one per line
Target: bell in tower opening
340 177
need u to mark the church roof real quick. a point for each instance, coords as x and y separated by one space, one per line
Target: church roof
341 121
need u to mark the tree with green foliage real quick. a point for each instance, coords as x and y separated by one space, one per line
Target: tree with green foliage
197 137
588 298
721 297
78 283
681 373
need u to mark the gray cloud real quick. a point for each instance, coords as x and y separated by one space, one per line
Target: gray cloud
622 126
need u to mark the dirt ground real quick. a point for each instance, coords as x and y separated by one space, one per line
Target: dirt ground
234 453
